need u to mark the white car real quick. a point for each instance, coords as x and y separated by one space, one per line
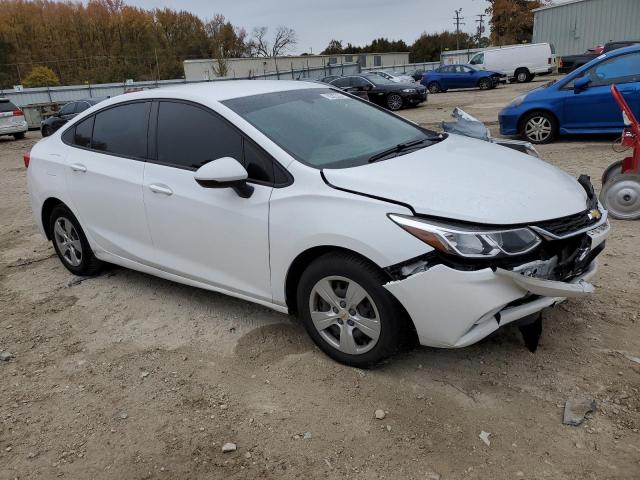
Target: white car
302 198
394 77
12 121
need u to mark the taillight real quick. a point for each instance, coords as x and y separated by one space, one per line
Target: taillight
18 113
561 62
27 158
549 60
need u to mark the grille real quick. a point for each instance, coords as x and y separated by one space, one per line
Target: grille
567 225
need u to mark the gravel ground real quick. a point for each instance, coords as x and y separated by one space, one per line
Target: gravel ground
130 376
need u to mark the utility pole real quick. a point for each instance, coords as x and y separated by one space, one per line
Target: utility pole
457 23
480 22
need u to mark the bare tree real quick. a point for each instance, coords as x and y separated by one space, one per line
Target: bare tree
283 40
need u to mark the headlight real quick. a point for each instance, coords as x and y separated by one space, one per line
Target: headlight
469 242
409 90
516 102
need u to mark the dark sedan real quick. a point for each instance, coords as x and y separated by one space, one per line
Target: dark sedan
66 113
388 94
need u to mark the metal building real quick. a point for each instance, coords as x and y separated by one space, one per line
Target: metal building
577 25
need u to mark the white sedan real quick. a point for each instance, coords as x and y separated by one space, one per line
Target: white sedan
307 200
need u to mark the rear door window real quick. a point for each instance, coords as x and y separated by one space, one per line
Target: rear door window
122 130
341 82
68 109
189 136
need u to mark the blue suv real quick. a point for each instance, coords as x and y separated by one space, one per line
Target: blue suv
580 103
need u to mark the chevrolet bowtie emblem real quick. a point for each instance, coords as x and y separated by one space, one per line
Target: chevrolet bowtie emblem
595 214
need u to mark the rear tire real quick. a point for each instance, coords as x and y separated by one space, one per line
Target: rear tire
522 75
434 87
70 243
347 311
539 127
19 136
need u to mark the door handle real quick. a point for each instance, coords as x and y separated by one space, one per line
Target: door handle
158 188
78 167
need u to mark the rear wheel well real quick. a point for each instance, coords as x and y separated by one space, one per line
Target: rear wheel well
47 208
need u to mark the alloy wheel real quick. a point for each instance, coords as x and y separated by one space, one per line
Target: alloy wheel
434 87
394 102
67 241
538 129
345 315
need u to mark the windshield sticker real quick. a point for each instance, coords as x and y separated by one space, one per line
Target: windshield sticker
333 96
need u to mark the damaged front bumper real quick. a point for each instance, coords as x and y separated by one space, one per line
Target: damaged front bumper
454 307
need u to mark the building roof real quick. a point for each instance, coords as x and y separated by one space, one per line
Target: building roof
556 5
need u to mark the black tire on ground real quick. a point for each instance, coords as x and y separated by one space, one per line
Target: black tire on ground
393 325
88 263
394 102
485 84
611 170
434 87
522 75
19 136
539 127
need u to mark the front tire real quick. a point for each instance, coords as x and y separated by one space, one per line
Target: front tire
485 84
347 311
70 243
394 102
539 127
434 87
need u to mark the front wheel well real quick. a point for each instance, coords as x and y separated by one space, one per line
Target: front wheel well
300 263
535 110
48 206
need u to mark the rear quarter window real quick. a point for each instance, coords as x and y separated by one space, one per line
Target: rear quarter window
7 107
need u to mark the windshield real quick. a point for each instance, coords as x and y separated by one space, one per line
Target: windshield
324 128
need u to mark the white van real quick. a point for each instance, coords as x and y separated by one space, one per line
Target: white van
518 62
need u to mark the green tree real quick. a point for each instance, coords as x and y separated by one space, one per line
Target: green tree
41 77
428 46
334 48
512 20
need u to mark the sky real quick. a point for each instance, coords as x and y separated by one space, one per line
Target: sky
319 21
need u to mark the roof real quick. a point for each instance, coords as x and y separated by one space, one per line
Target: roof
206 92
556 5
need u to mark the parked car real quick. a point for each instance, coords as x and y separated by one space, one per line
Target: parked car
569 63
329 78
394 77
580 103
384 92
417 74
519 63
12 121
66 113
459 76
298 197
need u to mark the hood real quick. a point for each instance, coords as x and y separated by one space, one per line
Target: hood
471 180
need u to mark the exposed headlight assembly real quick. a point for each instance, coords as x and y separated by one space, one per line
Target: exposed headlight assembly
409 90
469 242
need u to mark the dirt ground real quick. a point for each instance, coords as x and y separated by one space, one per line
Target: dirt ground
129 376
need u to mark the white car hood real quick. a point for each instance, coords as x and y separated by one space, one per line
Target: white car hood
471 180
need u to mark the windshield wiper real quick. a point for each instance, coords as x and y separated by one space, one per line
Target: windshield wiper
401 147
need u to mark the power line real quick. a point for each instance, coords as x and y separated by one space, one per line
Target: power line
457 22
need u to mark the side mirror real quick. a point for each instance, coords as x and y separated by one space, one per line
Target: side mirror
225 172
581 84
